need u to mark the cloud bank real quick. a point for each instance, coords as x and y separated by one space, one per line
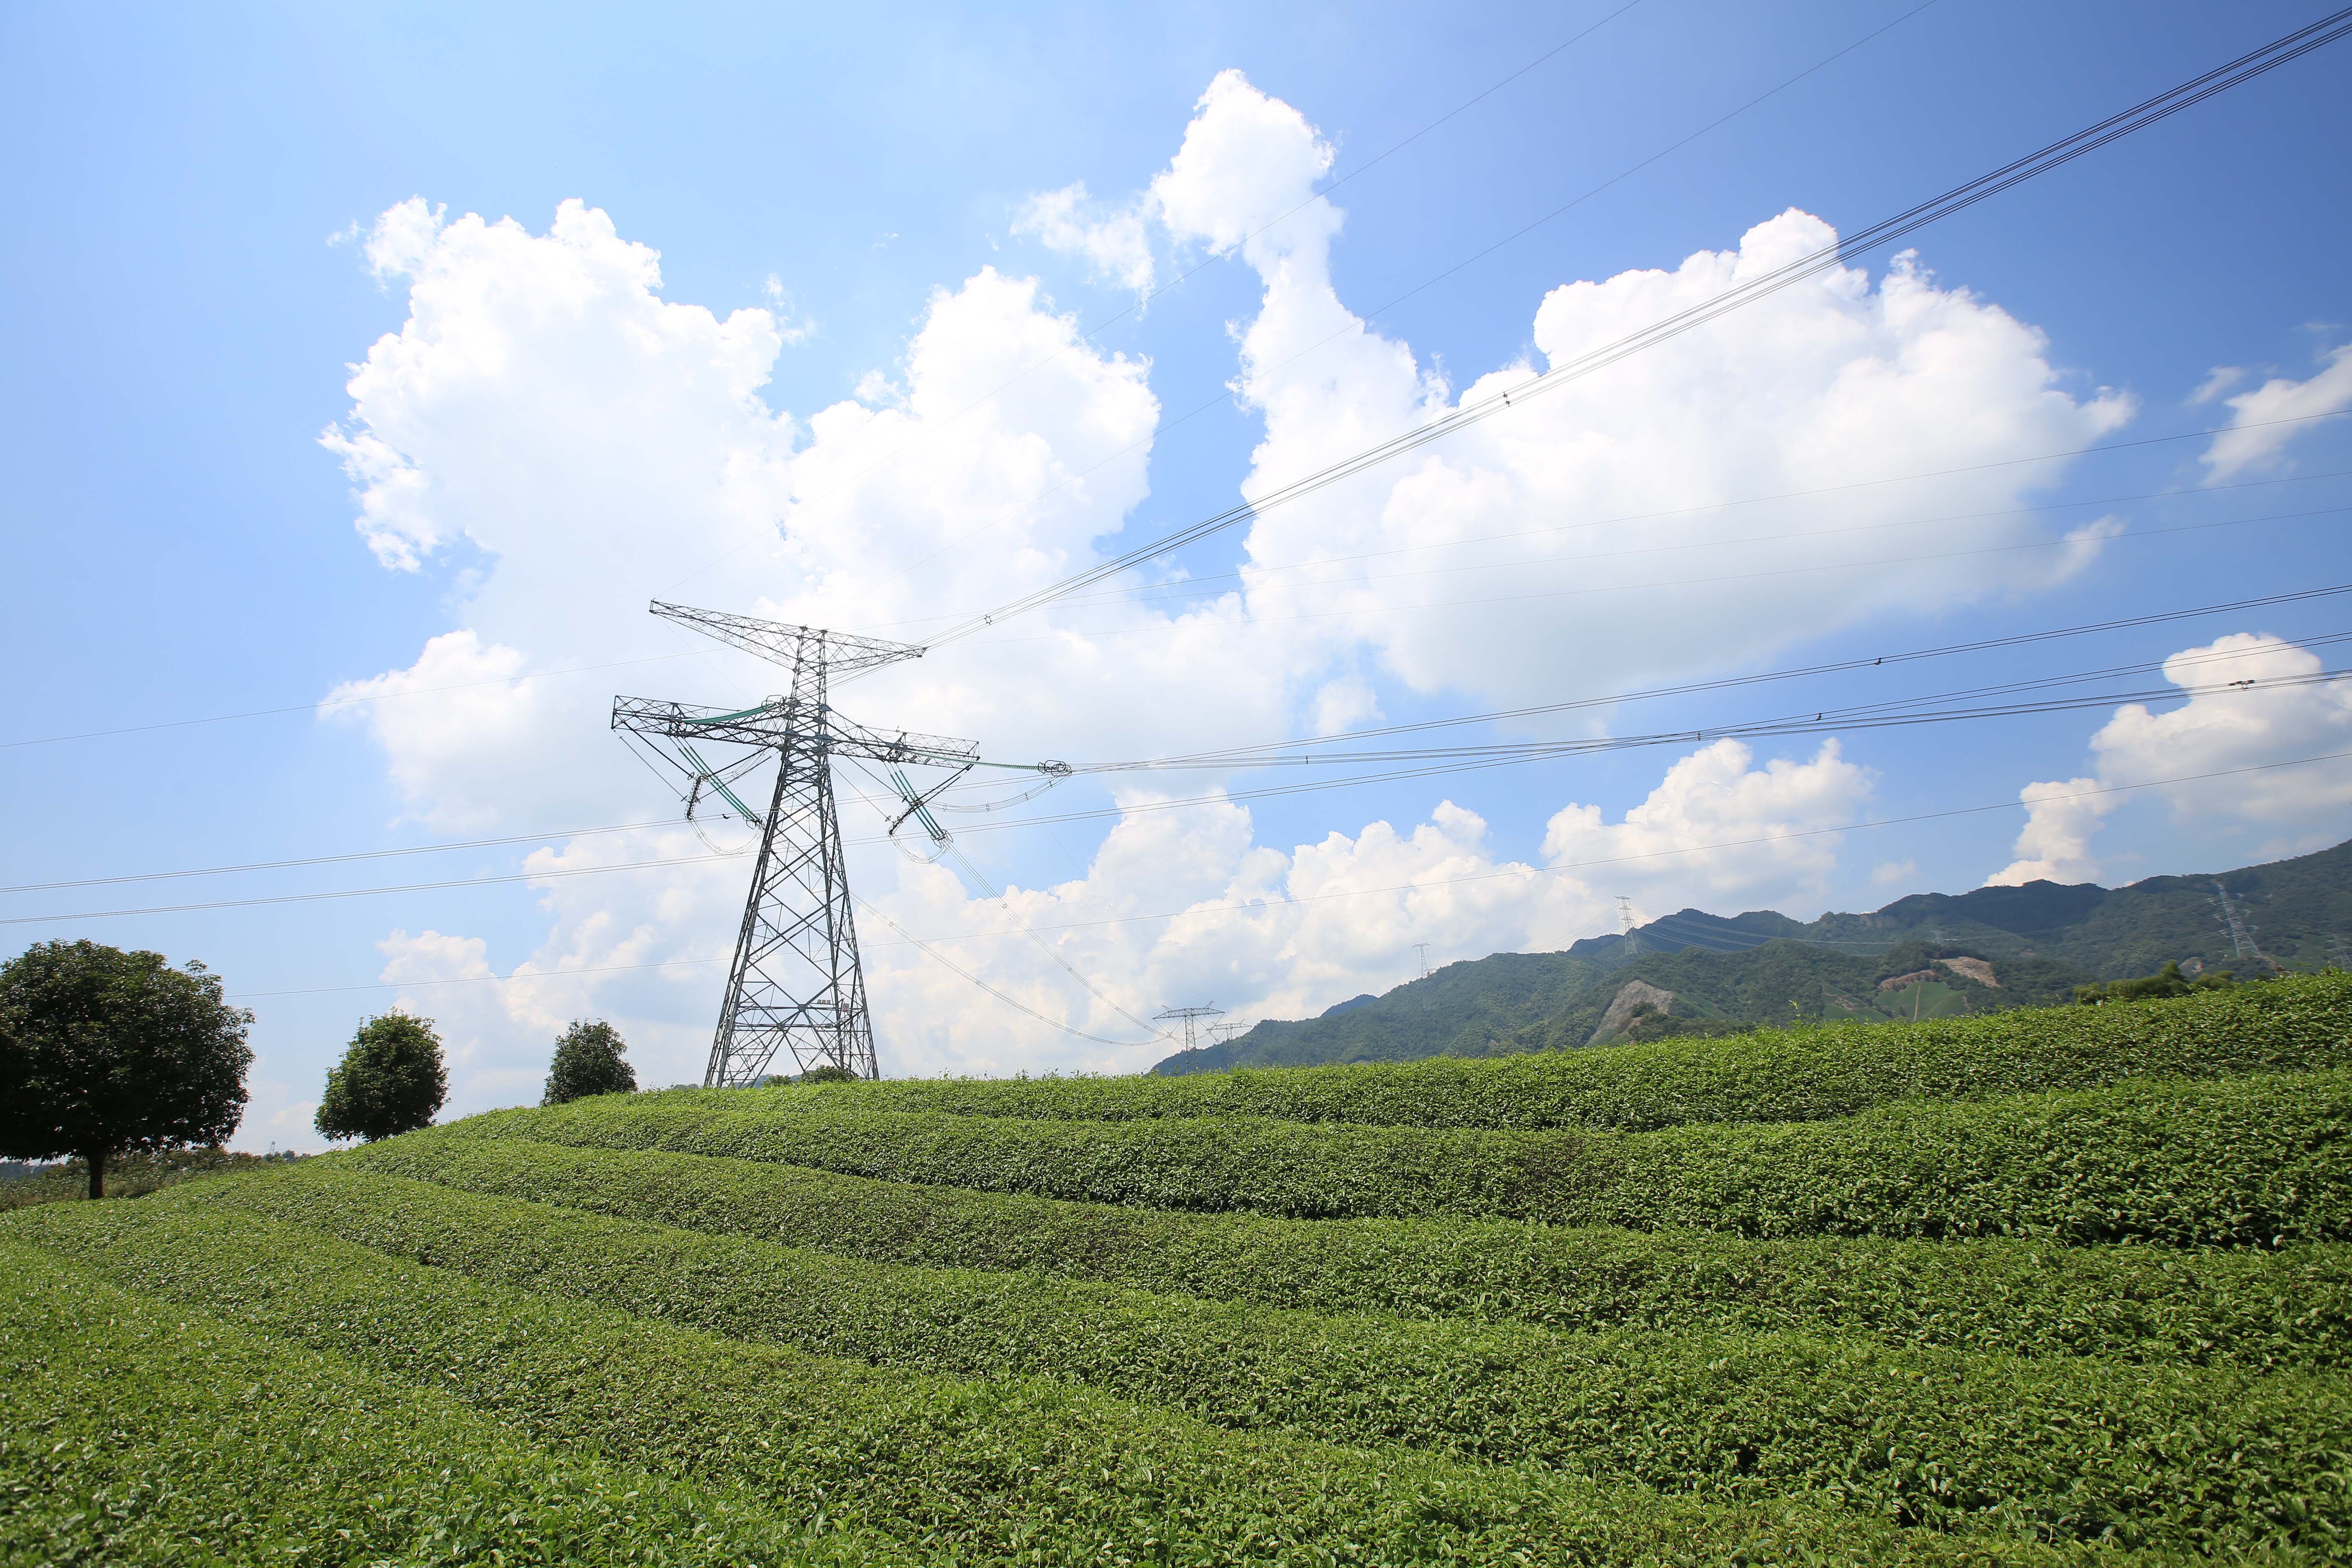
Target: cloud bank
564 441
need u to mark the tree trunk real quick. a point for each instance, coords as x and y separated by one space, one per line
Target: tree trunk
97 1159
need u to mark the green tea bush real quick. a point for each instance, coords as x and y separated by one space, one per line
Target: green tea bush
1664 1409
2301 1024
133 1431
2288 1307
1034 1470
2240 1162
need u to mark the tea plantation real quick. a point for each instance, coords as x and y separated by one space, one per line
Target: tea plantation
2065 1286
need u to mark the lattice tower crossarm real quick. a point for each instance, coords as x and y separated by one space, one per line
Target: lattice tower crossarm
796 986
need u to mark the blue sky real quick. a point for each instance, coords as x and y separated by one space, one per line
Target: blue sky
201 254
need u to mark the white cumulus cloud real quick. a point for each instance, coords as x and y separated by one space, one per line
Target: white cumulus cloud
2259 419
1116 246
2218 730
1550 537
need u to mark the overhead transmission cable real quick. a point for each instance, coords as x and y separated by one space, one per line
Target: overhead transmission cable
1687 688
1437 761
1522 873
1729 683
1634 517
1790 495
1527 873
1561 372
1254 621
1262 579
1887 716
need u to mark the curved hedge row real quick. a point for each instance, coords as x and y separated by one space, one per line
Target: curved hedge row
2297 1025
2257 1308
1025 1470
1794 1413
137 1433
2243 1161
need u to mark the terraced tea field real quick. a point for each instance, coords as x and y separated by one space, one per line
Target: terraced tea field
2061 1286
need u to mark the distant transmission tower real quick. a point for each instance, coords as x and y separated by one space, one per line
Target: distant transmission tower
2339 954
1190 1017
2242 939
796 986
1422 948
1625 923
1219 1034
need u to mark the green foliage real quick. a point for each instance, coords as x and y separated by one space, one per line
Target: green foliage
2050 1286
829 1074
1660 1408
1769 1075
2166 981
389 1081
590 1058
139 1432
1462 1010
2234 1163
127 1176
2290 1307
1036 1471
1647 1023
104 1052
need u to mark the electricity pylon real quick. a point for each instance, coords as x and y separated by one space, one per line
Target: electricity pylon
1190 1017
795 985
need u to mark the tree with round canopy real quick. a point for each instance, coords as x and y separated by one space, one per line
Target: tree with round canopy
389 1081
104 1052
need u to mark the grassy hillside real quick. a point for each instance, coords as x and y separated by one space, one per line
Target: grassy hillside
1764 968
2065 1286
1462 1010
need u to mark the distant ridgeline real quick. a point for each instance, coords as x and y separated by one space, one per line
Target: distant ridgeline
1928 955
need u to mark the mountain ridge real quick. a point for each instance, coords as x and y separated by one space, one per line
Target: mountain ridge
1721 973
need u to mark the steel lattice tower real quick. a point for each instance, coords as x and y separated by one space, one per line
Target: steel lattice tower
795 985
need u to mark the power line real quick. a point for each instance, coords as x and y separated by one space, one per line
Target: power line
1597 522
1453 757
1254 621
1857 714
1821 723
1529 872
1728 682
1689 689
474 979
1523 873
334 859
2057 153
1255 579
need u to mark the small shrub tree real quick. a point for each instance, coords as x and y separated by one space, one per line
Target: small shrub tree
829 1074
105 1052
389 1081
590 1058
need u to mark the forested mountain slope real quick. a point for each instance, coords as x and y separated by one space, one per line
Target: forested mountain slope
2037 943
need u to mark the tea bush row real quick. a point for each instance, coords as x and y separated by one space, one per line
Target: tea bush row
1702 1413
2256 1308
1809 1074
1016 1471
139 1432
2258 1161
